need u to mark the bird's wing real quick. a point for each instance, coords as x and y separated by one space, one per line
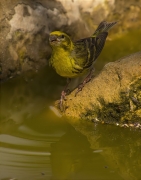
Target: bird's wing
87 50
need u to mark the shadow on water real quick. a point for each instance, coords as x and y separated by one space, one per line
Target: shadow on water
37 144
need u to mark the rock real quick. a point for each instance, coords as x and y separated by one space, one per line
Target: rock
113 96
26 24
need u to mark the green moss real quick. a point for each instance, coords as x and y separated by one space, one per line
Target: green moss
127 110
135 94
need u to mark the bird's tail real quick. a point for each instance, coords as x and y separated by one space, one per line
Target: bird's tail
103 27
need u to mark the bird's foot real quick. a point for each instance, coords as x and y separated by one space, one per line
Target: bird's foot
86 80
80 87
63 98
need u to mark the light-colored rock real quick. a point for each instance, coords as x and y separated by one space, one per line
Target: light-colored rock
113 96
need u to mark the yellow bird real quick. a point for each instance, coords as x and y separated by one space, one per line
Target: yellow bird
73 59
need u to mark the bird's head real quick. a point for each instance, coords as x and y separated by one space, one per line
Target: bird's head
60 39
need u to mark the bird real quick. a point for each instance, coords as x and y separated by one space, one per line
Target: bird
72 59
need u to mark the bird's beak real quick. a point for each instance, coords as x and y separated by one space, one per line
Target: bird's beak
53 38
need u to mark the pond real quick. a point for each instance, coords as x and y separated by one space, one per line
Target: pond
37 143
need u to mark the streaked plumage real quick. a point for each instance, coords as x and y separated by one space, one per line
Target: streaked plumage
72 59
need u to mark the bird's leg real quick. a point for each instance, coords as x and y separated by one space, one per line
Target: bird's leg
86 80
64 93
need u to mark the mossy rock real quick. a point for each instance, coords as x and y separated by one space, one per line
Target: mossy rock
113 96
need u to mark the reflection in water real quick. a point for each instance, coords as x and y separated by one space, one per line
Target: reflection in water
62 152
24 164
119 147
36 143
25 152
28 95
72 158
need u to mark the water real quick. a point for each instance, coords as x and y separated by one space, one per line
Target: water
36 143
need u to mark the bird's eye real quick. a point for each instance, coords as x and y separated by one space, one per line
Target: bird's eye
62 36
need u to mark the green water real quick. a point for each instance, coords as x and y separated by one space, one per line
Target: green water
37 144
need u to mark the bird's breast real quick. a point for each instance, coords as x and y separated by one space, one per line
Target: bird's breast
64 64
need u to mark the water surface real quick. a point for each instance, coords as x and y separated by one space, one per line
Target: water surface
36 143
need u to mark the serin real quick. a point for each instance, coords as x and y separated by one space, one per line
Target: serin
73 59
